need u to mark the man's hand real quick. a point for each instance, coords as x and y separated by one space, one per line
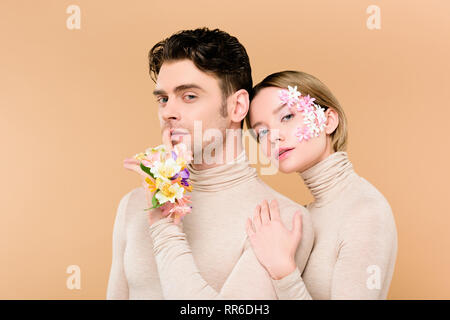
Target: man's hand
134 165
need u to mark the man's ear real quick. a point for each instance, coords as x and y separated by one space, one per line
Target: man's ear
239 105
332 120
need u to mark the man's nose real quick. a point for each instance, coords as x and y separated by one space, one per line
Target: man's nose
170 112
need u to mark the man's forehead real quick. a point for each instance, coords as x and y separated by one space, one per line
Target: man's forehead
182 74
174 85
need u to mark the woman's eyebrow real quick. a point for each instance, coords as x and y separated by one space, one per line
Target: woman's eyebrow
273 112
279 108
256 124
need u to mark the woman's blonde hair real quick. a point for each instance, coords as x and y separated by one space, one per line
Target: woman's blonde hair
308 84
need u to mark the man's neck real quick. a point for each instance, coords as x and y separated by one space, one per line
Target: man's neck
228 153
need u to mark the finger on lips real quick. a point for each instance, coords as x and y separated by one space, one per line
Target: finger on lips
166 137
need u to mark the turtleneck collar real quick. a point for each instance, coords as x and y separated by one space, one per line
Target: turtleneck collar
223 176
327 178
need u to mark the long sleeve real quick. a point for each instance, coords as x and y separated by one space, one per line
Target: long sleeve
367 248
181 279
291 287
117 284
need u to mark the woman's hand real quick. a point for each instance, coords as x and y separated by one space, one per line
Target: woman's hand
134 165
274 245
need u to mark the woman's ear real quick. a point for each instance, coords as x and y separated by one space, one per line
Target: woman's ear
240 105
332 120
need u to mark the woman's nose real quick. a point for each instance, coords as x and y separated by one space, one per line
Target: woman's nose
275 136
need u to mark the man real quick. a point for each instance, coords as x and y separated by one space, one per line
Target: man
201 75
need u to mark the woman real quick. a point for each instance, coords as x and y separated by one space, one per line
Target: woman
302 128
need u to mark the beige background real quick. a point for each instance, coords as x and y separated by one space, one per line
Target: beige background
75 103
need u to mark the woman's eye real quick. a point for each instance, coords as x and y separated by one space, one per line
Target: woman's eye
261 134
287 117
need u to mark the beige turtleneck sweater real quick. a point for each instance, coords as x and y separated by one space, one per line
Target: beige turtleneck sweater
355 244
209 255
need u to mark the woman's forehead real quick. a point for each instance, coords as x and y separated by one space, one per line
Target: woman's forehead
264 105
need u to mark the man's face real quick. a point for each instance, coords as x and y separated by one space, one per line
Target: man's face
186 94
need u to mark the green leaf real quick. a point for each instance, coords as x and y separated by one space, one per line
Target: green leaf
155 202
146 170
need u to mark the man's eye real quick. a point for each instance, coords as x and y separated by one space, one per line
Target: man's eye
190 97
287 117
162 100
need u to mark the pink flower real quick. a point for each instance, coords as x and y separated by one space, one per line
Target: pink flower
306 104
178 213
284 96
304 133
178 209
289 97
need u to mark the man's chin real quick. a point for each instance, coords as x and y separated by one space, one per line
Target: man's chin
176 142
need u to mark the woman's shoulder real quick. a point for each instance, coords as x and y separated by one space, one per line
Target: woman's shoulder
369 196
368 207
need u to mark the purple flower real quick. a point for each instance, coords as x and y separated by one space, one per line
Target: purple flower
184 173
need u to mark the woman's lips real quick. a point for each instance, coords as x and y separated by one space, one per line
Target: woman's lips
284 153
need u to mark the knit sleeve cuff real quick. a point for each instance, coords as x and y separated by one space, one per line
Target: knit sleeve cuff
287 281
291 287
166 234
160 223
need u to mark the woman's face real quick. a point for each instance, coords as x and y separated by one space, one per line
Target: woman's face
276 126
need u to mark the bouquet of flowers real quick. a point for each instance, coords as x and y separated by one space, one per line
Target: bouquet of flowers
168 178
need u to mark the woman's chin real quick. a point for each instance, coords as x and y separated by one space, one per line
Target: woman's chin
291 164
285 166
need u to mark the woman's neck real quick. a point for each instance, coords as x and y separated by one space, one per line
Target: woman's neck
328 177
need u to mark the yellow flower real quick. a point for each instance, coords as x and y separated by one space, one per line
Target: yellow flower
181 162
151 184
140 156
154 185
169 192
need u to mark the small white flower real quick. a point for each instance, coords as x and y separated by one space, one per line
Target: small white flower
165 170
169 192
293 92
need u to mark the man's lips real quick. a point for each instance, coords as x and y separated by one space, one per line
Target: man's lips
281 151
176 134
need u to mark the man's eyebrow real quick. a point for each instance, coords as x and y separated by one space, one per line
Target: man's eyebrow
179 88
158 92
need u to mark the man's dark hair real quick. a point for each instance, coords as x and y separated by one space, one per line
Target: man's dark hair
212 51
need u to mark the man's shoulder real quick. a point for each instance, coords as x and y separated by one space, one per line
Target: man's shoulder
131 200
